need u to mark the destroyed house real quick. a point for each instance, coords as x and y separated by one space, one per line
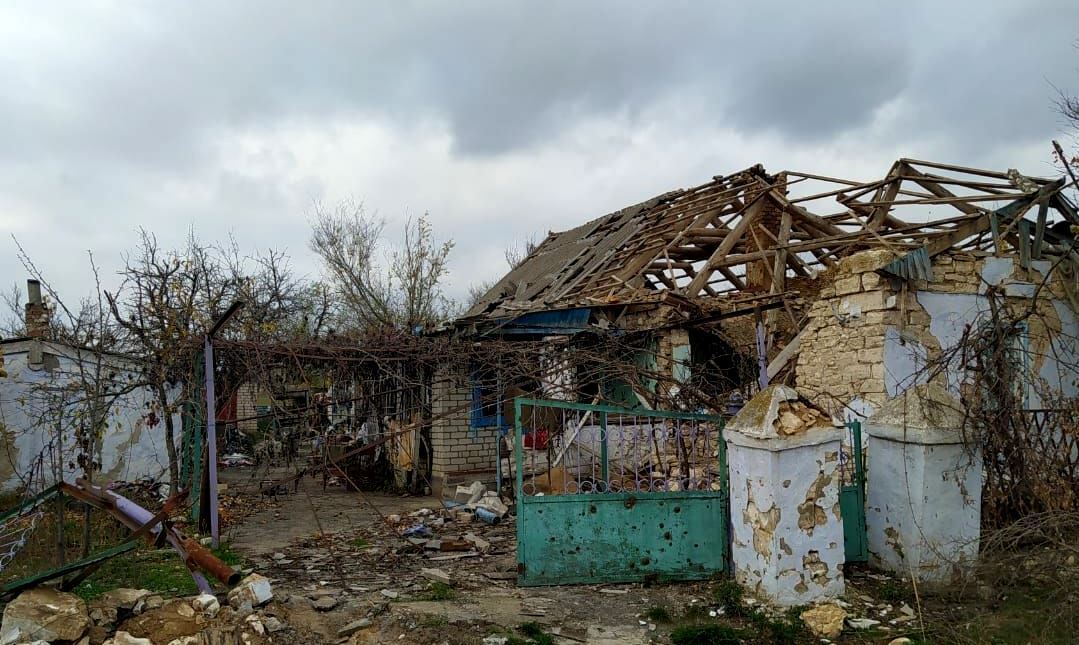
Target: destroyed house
45 384
844 288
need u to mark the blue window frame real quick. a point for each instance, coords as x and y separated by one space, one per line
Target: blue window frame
486 400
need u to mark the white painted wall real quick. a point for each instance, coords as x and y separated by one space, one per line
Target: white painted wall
917 518
130 449
951 313
923 499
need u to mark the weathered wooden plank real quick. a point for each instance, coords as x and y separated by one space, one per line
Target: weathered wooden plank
1039 229
725 247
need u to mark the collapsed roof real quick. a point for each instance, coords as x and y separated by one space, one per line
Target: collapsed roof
750 236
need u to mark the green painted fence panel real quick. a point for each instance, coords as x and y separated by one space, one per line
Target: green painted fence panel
621 537
589 537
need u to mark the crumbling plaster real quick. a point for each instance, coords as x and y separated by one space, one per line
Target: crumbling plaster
128 449
787 533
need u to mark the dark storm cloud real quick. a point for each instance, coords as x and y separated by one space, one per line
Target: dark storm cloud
146 86
125 114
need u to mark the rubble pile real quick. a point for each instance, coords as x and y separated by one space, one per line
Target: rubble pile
140 617
796 417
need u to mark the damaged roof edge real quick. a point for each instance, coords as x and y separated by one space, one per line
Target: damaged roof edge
726 237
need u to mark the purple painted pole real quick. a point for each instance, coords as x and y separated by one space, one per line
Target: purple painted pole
139 516
211 436
211 415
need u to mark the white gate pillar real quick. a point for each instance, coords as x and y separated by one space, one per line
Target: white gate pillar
924 489
787 533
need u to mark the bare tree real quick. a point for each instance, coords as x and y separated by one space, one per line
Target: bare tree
169 298
477 291
402 293
13 323
518 252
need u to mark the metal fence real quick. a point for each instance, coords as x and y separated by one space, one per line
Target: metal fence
611 494
574 451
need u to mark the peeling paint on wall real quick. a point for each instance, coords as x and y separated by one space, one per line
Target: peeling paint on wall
810 513
128 449
785 545
763 524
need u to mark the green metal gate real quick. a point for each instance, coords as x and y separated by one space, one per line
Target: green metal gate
618 495
852 495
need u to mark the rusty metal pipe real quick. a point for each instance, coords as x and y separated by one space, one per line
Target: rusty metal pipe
134 516
209 562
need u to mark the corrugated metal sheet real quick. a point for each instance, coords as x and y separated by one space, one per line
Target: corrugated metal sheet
915 265
561 321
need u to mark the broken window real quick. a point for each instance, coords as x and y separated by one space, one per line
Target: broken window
1009 371
486 399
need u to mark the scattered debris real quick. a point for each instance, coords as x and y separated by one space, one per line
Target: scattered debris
862 623
417 530
206 604
469 494
353 627
324 603
437 575
253 591
125 599
273 624
123 638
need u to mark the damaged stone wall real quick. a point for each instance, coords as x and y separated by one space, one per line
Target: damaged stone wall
870 335
132 447
246 410
841 359
787 532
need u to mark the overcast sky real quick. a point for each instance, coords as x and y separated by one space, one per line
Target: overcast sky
500 119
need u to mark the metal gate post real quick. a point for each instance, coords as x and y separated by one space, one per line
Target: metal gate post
852 501
603 451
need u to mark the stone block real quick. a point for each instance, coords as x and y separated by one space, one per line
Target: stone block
848 285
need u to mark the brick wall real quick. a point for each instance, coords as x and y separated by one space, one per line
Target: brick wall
455 446
245 409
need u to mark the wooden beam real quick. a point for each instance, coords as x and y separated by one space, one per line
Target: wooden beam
938 190
1039 230
816 221
733 279
785 355
727 245
779 268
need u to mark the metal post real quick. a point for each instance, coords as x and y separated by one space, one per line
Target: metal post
211 418
211 438
762 354
604 458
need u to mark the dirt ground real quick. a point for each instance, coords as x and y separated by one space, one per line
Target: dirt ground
349 546
284 519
